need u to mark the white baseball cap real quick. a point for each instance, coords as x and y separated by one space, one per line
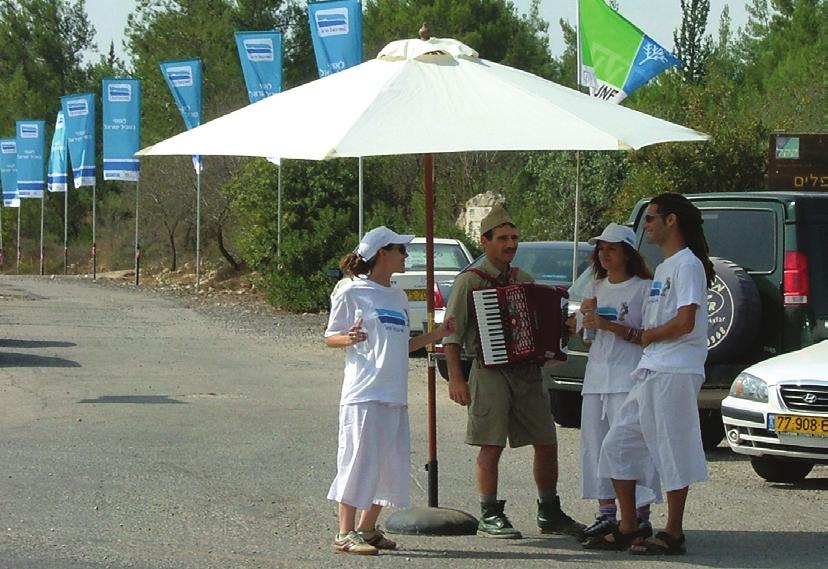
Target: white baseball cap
615 233
378 238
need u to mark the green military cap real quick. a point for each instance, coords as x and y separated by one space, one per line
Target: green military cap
495 218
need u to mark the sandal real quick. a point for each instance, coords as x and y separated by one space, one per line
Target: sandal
621 541
674 545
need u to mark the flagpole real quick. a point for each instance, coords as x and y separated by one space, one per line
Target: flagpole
19 207
137 246
279 216
360 199
198 224
577 152
2 252
94 242
42 208
66 230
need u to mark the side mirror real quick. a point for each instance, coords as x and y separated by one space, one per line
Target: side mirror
334 273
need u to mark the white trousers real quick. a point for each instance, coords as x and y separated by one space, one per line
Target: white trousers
598 412
657 424
372 462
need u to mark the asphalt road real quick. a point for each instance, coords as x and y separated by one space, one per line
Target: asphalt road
148 431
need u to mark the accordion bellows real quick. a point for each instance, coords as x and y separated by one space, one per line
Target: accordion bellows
521 323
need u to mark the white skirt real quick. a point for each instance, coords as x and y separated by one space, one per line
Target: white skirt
598 412
657 424
373 458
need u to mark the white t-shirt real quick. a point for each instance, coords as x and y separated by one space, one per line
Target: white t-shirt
378 370
679 281
611 358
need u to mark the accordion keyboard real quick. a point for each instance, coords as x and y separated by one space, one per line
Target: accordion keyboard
490 324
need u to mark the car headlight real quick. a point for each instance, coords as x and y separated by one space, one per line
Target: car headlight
747 386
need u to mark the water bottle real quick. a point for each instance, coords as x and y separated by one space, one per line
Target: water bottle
361 347
589 335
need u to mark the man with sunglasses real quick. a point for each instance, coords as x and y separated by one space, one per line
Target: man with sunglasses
658 423
507 403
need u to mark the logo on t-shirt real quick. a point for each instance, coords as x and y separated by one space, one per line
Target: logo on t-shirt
666 287
625 309
655 289
391 317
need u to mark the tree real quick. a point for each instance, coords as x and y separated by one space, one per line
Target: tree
693 47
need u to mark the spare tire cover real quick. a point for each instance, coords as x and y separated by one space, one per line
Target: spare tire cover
734 312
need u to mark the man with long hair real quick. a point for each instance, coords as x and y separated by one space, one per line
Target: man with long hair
658 423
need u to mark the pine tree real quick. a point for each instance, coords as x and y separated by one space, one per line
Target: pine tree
693 47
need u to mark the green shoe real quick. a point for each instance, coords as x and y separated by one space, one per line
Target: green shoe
551 519
494 523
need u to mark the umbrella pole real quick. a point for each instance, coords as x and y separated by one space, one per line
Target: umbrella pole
577 199
431 520
431 467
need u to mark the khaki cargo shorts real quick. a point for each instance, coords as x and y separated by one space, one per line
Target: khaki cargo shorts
508 404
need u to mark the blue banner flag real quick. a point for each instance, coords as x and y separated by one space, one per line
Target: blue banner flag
31 145
184 80
261 60
8 172
336 31
57 178
79 116
121 129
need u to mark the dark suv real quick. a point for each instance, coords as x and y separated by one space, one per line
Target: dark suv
770 296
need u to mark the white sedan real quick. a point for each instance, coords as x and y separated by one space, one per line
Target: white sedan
450 256
777 413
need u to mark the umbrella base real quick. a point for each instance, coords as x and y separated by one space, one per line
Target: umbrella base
431 521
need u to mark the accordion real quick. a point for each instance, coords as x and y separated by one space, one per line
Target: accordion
521 323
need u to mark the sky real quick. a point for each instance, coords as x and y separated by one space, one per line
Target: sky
657 18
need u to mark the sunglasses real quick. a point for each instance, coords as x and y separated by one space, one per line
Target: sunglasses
650 217
400 248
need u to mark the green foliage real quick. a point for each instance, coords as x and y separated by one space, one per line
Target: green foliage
693 47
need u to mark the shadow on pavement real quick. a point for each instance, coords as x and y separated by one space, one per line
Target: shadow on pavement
28 360
135 400
706 548
8 343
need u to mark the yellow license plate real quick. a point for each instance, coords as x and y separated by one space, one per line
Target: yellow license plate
801 425
415 294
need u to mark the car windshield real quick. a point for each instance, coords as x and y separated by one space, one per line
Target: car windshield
447 257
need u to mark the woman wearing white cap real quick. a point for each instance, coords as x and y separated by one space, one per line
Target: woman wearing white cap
369 318
612 308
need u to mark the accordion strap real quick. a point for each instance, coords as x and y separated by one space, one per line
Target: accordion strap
486 276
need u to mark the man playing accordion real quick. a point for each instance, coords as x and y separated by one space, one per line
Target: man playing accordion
505 403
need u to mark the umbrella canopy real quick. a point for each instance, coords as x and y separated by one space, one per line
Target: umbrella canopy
422 96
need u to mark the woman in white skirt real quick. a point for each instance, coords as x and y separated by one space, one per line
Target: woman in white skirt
369 318
612 309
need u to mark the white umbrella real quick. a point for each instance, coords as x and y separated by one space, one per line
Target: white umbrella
422 97
419 97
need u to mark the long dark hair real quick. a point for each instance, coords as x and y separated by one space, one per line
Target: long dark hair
635 266
690 225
